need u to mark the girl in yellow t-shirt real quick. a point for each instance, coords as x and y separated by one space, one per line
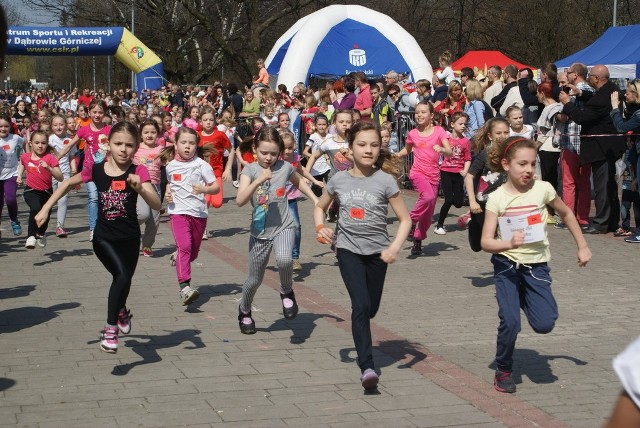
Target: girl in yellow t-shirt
514 231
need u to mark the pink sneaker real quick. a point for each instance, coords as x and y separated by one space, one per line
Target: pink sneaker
109 339
369 379
124 321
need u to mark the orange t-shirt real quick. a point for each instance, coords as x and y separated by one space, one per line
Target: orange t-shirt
80 123
220 142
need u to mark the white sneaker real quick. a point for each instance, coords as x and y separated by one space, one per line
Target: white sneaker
236 183
439 231
205 235
31 243
91 235
188 295
42 241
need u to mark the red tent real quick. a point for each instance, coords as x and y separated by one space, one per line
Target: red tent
481 59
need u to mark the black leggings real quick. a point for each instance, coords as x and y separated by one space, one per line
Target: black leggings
475 230
451 184
36 199
120 258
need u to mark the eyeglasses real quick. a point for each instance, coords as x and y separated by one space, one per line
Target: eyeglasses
393 94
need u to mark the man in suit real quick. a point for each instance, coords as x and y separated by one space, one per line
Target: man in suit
598 147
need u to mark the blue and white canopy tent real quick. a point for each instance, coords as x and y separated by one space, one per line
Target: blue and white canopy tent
618 48
339 39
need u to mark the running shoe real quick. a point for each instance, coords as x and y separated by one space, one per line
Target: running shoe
60 232
296 265
16 227
188 295
147 252
369 379
503 382
31 243
109 339
439 230
41 241
416 250
289 305
124 321
247 324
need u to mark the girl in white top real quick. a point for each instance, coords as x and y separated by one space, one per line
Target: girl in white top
447 72
517 127
190 178
321 168
58 139
11 147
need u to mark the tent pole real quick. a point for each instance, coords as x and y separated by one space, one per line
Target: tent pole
615 12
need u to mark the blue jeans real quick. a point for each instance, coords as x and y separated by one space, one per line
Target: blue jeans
521 286
293 209
363 275
92 205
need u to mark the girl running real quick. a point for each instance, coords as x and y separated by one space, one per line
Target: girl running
117 233
41 167
336 149
57 140
96 140
272 225
190 178
427 143
12 147
321 168
453 169
515 232
148 155
517 127
363 246
487 180
293 193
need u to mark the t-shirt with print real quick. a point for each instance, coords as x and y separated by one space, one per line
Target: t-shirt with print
181 177
96 146
293 192
320 166
532 203
362 220
58 144
38 177
461 153
220 142
149 158
271 213
485 180
117 216
425 158
11 149
334 150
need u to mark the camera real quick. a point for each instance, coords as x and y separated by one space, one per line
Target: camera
566 89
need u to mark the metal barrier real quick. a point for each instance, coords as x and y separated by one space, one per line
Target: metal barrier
404 123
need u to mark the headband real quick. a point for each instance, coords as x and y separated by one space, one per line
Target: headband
506 149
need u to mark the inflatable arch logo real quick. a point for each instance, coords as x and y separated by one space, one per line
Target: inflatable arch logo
90 41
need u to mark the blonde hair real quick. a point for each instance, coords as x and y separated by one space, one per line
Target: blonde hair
474 90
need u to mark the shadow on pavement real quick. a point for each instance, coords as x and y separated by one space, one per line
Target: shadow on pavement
393 351
301 327
536 366
17 319
209 291
148 351
6 383
226 233
59 255
481 281
14 292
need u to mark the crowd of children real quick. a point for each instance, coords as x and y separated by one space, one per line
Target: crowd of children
185 161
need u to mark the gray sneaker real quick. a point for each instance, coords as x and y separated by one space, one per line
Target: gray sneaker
188 295
41 241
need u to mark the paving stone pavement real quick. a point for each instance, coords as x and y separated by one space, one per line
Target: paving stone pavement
435 338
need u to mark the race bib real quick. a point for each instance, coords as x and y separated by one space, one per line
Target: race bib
357 213
6 147
176 177
280 191
118 185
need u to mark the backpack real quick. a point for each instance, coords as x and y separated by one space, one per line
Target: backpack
488 111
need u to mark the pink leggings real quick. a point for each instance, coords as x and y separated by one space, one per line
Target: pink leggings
187 232
422 212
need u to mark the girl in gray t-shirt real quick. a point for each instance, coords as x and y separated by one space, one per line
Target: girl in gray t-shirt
363 246
264 183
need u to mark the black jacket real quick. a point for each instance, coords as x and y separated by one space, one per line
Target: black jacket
498 100
595 120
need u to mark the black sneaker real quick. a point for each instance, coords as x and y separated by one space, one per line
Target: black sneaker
560 225
416 250
503 382
247 324
290 312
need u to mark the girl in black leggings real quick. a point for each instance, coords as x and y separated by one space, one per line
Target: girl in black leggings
116 238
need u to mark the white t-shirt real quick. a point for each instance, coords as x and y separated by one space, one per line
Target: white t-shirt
182 176
446 75
10 150
320 166
58 143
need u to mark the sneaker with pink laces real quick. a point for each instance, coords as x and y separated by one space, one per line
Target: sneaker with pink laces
124 320
109 339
